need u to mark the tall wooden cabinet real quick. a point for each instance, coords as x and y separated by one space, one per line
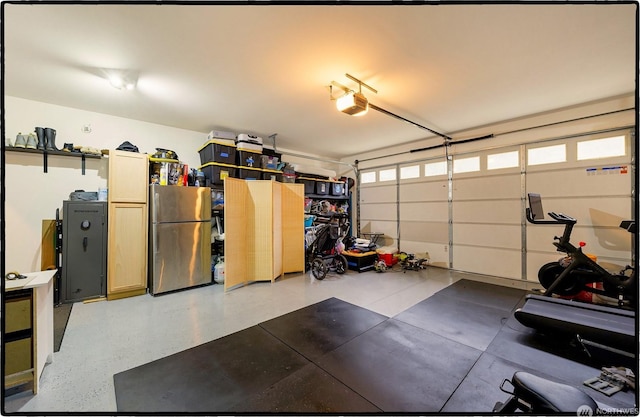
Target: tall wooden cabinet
264 230
128 225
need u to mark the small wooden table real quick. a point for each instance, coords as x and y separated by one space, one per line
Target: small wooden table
37 289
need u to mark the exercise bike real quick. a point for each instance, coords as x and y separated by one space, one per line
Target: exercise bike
577 271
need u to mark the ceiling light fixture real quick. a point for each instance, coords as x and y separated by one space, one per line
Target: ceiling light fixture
122 79
355 104
352 103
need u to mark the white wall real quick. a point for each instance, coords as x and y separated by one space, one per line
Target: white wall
32 195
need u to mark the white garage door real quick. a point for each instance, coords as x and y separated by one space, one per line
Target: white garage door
379 204
424 209
486 215
469 213
589 178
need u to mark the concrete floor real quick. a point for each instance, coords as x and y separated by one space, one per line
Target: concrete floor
104 338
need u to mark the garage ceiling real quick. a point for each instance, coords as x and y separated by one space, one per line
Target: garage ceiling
265 69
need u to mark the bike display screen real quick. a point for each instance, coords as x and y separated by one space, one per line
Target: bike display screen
535 204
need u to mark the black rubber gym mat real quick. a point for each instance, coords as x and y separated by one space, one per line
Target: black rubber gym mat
401 368
308 390
336 357
474 325
480 389
212 377
494 296
467 312
320 328
247 369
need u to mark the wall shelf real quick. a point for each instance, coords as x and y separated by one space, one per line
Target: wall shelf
327 197
45 155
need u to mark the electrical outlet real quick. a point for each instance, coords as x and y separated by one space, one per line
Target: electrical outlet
86 129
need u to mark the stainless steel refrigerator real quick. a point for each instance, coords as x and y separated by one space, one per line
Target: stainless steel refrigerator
179 237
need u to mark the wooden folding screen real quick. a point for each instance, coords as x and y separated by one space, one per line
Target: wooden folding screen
262 222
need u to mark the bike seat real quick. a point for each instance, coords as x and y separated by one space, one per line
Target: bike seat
545 395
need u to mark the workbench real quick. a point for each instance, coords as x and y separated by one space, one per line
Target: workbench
28 305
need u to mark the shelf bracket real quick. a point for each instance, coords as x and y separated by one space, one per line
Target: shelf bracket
44 161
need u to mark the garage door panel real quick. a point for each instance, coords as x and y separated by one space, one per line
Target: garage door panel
483 187
438 256
540 237
500 211
434 211
590 211
485 235
606 242
424 191
424 232
578 182
387 228
379 194
381 211
507 264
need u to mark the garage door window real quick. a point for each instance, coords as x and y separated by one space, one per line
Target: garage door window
388 174
601 148
547 155
435 168
503 160
410 172
368 177
466 165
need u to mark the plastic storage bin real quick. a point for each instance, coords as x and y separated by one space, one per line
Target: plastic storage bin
271 174
322 187
337 188
249 143
247 158
218 150
219 134
249 173
360 261
309 185
217 172
269 161
288 177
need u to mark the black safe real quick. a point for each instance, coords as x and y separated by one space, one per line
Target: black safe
84 250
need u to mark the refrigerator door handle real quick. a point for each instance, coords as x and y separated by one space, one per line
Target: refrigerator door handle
155 240
155 204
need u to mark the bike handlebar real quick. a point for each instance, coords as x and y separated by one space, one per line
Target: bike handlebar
558 218
562 218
